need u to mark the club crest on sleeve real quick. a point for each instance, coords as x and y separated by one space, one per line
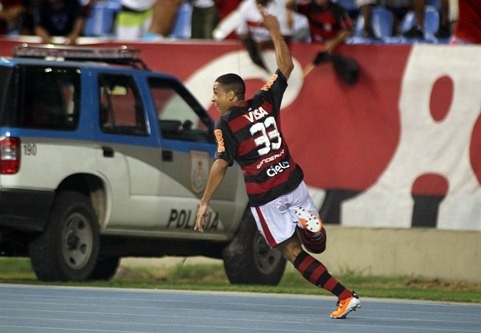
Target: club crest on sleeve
269 83
220 141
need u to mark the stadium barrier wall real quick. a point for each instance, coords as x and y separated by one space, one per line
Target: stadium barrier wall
393 161
428 253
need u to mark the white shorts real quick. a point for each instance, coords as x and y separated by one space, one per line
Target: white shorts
277 221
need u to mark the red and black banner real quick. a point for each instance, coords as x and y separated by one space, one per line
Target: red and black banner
399 148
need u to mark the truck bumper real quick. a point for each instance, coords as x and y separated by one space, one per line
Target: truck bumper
25 210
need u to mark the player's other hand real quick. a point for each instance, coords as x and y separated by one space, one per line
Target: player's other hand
200 219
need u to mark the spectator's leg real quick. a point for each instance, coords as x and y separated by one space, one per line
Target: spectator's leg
165 14
417 31
365 9
445 26
419 6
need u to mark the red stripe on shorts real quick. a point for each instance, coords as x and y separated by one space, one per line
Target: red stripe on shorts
270 240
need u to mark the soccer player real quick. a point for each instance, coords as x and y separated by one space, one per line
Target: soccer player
249 133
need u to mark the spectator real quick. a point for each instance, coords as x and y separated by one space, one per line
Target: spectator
452 12
60 18
133 19
204 19
29 16
417 30
10 14
445 23
163 20
445 19
468 26
256 37
300 26
365 10
229 19
251 20
87 6
224 8
329 23
399 9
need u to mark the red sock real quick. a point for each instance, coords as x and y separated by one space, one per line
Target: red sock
316 273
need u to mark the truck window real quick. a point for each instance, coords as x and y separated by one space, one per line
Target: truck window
121 110
49 98
177 116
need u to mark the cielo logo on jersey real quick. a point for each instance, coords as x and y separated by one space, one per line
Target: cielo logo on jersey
276 169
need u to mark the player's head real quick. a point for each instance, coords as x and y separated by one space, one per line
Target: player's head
229 89
233 82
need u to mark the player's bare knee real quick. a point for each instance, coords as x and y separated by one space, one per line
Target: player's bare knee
290 249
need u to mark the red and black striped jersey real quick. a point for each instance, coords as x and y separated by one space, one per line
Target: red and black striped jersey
251 136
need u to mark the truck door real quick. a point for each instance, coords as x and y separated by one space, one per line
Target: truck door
188 147
129 157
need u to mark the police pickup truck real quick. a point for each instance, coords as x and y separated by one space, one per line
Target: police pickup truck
102 158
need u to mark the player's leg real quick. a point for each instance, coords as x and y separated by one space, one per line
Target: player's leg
316 273
314 243
305 214
278 223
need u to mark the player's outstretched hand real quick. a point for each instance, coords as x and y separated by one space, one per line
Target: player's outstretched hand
269 20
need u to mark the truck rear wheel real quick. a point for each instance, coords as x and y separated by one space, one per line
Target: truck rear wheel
248 259
68 248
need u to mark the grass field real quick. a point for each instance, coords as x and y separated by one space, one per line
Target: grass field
211 276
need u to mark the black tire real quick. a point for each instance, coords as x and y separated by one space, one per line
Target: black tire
248 259
68 248
105 268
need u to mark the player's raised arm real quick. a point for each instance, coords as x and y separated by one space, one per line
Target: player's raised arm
283 54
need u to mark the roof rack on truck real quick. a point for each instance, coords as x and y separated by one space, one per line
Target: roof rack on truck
122 55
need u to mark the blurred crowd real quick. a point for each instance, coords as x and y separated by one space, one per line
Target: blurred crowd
327 22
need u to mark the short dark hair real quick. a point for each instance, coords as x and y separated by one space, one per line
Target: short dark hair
233 82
